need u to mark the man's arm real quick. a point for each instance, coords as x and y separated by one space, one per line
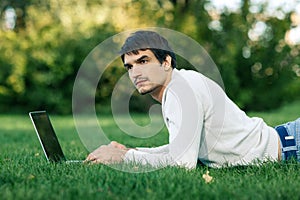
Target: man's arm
178 153
115 152
160 149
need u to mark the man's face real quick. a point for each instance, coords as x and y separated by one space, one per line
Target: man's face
145 71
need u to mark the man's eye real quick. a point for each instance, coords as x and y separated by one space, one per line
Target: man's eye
128 67
143 61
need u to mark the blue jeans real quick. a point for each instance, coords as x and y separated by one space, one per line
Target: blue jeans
293 129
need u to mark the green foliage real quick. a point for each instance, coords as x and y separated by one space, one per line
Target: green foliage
40 58
40 62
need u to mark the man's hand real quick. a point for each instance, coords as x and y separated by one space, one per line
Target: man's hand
108 154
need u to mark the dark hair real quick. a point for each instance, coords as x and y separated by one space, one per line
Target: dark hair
143 40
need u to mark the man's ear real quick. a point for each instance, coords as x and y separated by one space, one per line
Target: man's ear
167 63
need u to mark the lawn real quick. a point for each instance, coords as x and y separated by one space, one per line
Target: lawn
25 173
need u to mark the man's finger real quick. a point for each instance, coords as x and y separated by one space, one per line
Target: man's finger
90 157
118 145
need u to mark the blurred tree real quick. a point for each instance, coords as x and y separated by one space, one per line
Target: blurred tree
249 48
39 59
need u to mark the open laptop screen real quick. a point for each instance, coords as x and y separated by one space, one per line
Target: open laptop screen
47 136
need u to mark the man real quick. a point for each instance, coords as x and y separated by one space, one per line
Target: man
203 123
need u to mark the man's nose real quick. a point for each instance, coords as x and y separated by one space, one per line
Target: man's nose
136 71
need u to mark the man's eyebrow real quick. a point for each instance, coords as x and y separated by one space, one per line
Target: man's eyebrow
138 60
142 58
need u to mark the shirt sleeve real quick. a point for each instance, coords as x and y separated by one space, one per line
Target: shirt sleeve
156 159
183 117
160 149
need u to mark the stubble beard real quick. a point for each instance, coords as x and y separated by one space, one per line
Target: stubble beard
150 90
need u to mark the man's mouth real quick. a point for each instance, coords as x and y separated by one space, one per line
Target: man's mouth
139 82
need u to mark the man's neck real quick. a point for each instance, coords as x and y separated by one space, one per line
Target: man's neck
158 93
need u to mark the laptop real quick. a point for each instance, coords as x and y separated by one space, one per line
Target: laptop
48 138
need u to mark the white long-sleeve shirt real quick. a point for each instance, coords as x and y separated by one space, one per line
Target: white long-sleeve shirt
203 123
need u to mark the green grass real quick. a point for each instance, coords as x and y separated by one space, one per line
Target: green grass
25 174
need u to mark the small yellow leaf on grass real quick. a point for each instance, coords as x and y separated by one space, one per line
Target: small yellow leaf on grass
207 177
30 176
135 168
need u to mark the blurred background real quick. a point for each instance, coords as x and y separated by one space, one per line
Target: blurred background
254 43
